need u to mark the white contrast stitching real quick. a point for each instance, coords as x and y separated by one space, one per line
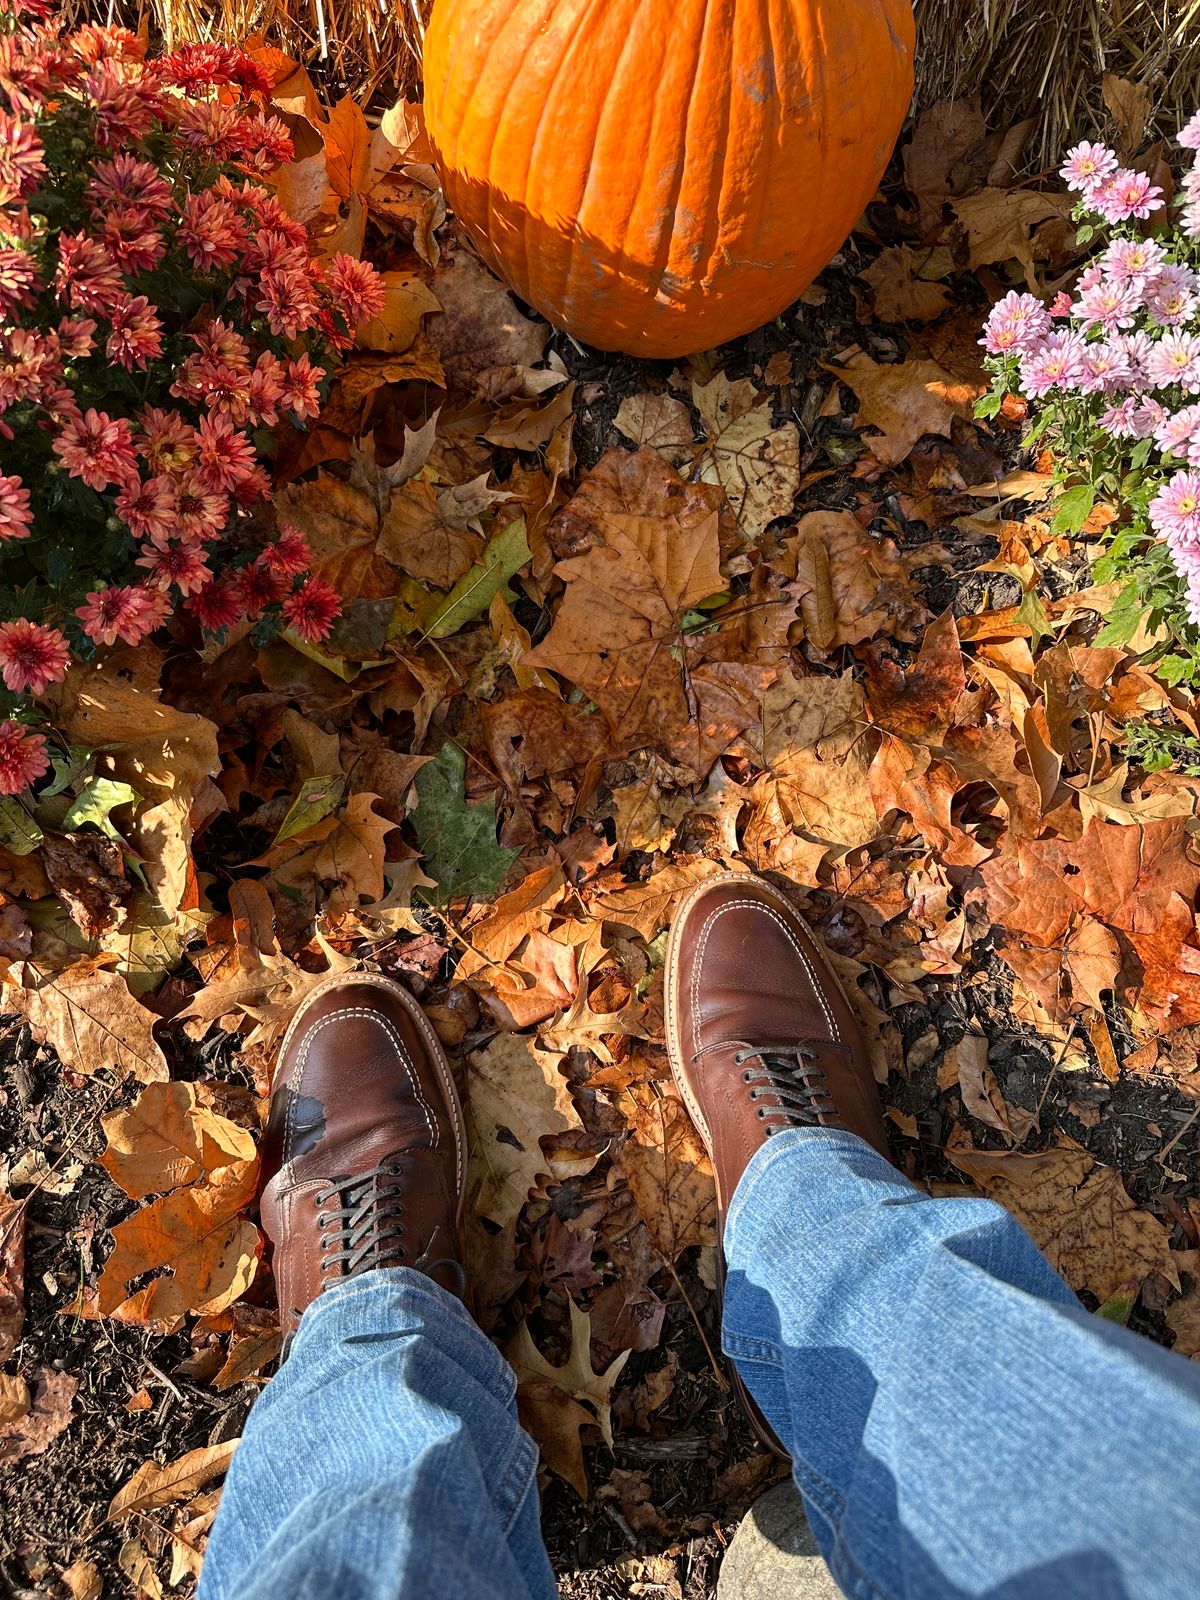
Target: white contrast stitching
751 905
384 1022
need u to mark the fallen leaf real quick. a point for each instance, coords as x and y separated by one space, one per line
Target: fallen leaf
49 1415
1183 1319
618 632
670 1176
647 907
14 1399
516 1097
90 1018
660 423
153 1485
556 1402
457 837
406 299
503 557
817 746
981 1094
1079 1214
758 466
168 1138
905 401
83 1579
206 1255
12 1274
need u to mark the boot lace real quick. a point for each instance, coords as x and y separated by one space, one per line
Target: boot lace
362 1220
787 1085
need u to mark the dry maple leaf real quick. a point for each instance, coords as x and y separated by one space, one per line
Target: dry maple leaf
660 423
922 703
670 1175
89 1016
425 536
555 1402
1079 1214
48 1416
516 1096
817 746
647 907
343 854
1000 224
618 631
758 466
905 401
898 293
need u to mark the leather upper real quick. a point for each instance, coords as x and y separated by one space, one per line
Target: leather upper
364 1116
746 974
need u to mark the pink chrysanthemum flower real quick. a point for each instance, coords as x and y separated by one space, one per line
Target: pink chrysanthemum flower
77 337
1179 433
184 565
1148 417
262 141
287 301
1059 362
203 512
16 518
99 449
1133 260
31 656
1175 509
136 245
1119 420
22 159
23 758
1175 358
359 292
215 607
1061 305
168 443
1189 134
211 232
149 509
128 184
226 455
28 363
136 337
1014 324
1136 347
1171 295
1126 195
1087 165
1107 368
312 610
289 555
1109 305
264 390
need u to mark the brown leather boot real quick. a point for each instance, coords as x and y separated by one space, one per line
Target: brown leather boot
760 1035
365 1149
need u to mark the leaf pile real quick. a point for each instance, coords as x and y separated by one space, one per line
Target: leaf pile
791 611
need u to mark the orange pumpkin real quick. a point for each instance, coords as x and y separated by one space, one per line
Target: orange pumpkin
658 176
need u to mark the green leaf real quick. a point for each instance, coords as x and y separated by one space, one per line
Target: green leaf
94 803
318 798
1084 233
1033 614
1119 629
988 405
67 771
18 831
506 553
457 839
1073 509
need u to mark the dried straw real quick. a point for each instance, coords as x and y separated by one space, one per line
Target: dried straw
1046 58
1043 58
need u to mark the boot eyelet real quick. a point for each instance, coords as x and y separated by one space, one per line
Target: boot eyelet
762 1111
739 1057
747 1077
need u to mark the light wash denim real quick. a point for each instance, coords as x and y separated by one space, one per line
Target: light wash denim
961 1426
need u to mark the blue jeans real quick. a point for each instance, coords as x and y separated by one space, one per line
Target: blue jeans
960 1425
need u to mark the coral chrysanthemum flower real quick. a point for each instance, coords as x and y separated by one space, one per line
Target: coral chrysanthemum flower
16 518
97 448
183 565
313 610
23 758
88 277
216 607
113 613
301 387
257 588
136 337
149 509
226 454
289 555
22 158
31 656
358 290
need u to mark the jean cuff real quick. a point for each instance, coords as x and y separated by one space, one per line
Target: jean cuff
818 1142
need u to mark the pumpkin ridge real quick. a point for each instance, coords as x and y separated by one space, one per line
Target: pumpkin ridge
610 96
750 225
492 189
662 254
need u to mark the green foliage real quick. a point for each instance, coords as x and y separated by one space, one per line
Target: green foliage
457 837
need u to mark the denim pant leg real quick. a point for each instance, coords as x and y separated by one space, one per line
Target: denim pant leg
960 1425
383 1462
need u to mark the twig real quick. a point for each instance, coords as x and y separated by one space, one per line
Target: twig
718 1372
